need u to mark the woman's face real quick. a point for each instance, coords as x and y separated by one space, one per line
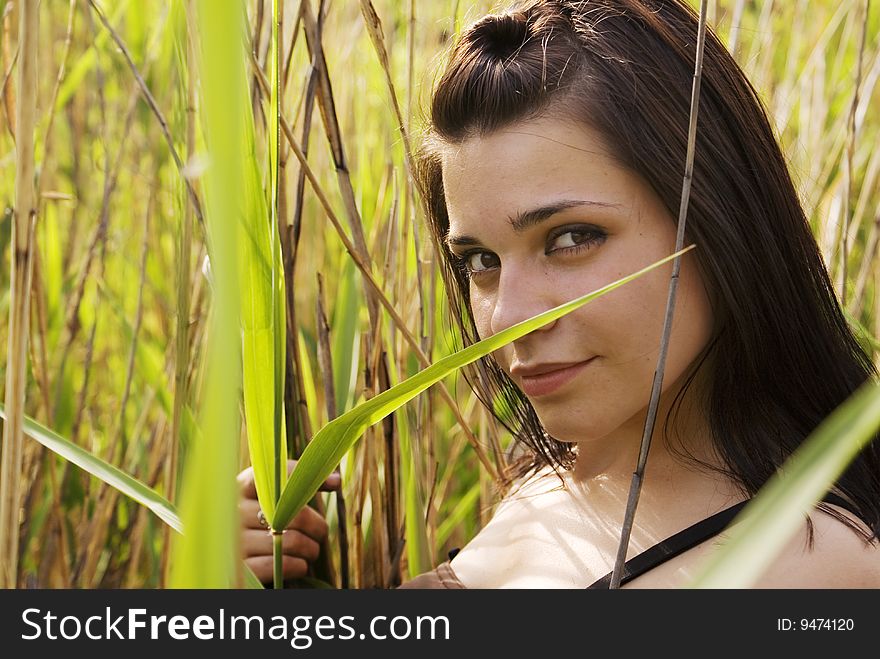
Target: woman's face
539 214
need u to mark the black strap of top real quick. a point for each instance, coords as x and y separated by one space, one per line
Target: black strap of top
687 539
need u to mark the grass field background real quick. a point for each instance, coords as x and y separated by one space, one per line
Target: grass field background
121 268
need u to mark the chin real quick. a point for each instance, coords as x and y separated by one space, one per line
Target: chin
564 431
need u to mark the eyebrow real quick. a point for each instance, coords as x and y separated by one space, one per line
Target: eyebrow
526 219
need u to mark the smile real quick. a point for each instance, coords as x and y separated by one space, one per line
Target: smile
546 383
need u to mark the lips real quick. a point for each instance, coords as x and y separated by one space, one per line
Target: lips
544 379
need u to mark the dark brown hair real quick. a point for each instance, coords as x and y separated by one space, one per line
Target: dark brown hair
782 357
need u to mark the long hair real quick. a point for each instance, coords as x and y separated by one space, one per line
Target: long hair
782 356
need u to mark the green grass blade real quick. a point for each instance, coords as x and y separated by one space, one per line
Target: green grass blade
333 440
251 581
279 458
262 312
463 508
113 476
344 331
308 382
774 516
206 557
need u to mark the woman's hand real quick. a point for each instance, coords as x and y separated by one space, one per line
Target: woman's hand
301 540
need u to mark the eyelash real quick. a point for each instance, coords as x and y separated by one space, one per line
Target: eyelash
594 236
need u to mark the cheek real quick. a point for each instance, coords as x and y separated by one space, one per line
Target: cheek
697 321
482 308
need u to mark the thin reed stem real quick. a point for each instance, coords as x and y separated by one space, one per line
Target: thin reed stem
656 386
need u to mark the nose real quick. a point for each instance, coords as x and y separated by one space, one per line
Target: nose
521 295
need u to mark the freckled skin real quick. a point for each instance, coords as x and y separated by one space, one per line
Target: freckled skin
531 164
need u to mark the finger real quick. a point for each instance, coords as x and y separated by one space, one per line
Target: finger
293 543
262 567
248 486
299 545
249 510
334 480
309 521
256 543
246 483
330 484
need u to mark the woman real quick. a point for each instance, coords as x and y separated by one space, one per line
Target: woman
553 166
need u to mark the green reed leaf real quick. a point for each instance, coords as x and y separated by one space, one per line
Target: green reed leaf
115 478
261 294
206 556
344 332
103 470
760 531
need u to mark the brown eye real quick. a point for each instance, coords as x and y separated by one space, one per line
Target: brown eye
570 239
574 238
480 261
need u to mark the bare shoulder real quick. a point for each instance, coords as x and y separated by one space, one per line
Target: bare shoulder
838 558
490 558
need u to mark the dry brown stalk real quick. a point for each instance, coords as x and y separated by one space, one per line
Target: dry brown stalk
375 379
20 286
294 228
327 107
325 360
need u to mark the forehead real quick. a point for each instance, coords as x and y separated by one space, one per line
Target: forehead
528 165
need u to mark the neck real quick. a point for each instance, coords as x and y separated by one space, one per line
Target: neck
614 457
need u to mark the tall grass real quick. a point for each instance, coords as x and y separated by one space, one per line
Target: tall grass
103 324
205 556
22 242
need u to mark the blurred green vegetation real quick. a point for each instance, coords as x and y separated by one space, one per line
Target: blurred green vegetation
103 349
